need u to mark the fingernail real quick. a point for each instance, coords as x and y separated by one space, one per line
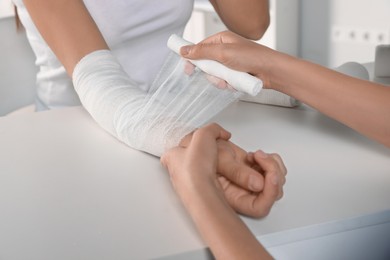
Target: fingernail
185 50
275 180
255 184
262 154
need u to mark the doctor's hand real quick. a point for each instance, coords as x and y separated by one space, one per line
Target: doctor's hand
235 52
250 182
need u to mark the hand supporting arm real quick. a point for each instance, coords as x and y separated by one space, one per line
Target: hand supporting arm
206 200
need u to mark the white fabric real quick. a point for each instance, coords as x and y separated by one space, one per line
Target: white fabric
244 82
272 97
136 32
239 80
151 121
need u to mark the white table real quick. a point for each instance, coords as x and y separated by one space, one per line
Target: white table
68 190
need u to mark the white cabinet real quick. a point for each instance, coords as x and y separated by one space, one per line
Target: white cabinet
6 8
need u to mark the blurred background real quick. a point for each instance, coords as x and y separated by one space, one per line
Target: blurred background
328 32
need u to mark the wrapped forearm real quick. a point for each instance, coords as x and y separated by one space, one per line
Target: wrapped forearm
117 104
150 121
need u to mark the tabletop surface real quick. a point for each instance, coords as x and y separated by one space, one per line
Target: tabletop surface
69 190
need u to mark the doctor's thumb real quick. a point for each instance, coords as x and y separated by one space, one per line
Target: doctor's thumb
207 51
198 52
185 50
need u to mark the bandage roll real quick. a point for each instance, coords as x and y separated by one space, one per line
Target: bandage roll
241 81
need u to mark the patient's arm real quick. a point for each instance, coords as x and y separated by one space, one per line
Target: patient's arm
71 32
205 199
105 90
249 188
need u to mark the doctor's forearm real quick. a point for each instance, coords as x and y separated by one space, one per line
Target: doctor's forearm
362 105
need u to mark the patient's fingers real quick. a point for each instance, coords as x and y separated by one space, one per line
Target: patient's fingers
189 68
217 82
248 203
243 201
257 204
282 167
232 164
274 169
244 176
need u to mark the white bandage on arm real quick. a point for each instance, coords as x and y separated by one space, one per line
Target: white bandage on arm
116 103
155 121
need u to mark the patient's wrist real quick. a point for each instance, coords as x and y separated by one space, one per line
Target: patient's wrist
185 141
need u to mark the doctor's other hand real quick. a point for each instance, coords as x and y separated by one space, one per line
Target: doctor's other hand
235 52
208 158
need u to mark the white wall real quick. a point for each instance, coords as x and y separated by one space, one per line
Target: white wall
282 34
319 21
334 31
330 32
313 30
357 27
17 69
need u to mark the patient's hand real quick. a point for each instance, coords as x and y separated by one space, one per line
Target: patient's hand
251 182
237 167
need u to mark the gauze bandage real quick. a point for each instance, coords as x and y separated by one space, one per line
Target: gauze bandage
272 97
241 81
152 121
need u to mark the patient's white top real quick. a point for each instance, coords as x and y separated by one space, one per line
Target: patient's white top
135 30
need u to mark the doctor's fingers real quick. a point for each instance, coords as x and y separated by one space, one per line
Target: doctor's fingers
224 37
223 53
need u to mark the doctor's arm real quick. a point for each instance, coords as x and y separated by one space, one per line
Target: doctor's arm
359 104
249 18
